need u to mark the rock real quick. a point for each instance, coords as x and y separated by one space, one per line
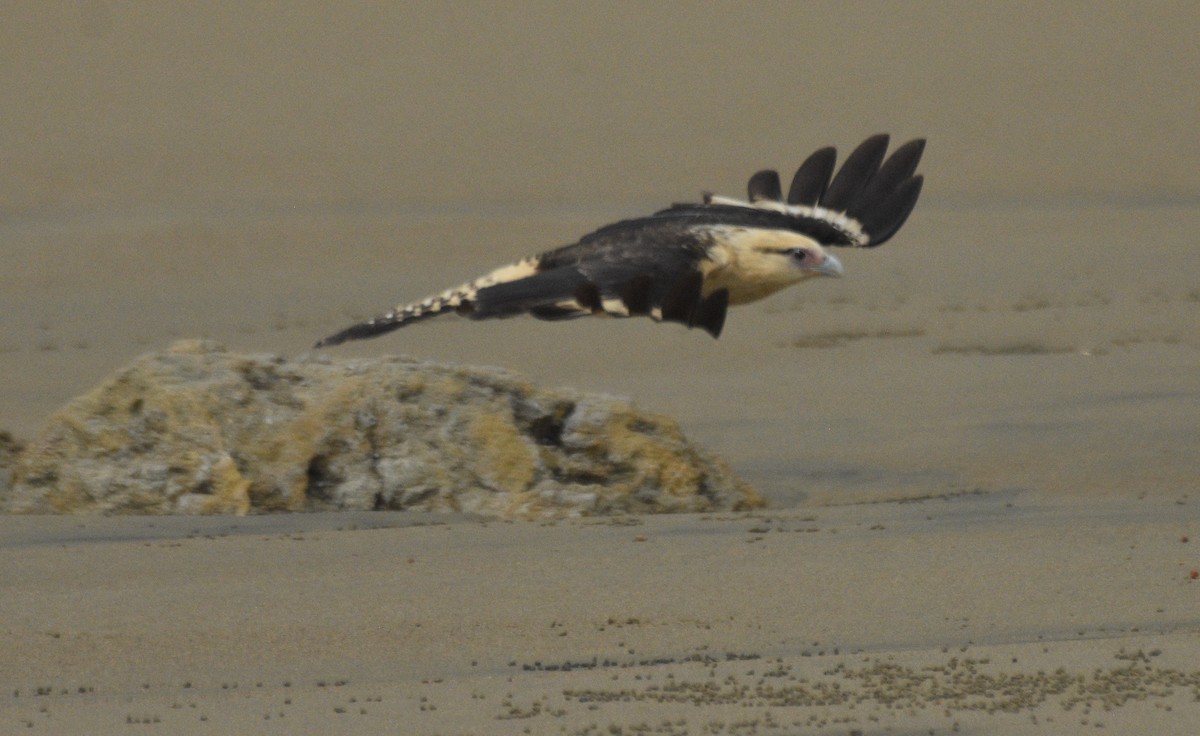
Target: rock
197 429
9 450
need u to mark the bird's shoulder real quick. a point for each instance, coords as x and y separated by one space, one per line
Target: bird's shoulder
647 239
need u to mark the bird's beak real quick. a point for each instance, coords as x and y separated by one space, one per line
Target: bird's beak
831 266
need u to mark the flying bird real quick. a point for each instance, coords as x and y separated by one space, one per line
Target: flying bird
689 263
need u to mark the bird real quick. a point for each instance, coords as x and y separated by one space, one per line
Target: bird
690 262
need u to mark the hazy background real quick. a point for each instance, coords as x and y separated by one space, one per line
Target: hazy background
266 173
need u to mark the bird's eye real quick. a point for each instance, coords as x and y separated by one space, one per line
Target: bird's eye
799 254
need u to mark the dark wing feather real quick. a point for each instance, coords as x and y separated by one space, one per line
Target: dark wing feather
901 165
638 295
648 266
864 205
855 173
654 267
681 297
883 201
808 185
884 218
545 289
709 314
764 185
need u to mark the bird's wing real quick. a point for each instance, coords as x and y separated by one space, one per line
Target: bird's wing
863 205
643 267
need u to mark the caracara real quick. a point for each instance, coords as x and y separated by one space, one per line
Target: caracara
690 262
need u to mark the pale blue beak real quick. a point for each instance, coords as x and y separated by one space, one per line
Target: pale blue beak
831 266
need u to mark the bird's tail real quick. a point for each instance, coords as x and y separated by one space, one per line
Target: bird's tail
460 299
451 300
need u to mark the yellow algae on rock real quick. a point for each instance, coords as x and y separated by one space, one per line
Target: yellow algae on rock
505 459
197 429
230 490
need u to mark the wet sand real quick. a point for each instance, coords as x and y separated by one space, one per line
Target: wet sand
979 446
991 613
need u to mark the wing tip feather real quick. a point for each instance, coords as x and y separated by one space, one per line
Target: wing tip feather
872 192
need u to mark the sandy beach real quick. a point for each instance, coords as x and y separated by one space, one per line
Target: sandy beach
977 614
979 446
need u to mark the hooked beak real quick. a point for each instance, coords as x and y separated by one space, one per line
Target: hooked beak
830 266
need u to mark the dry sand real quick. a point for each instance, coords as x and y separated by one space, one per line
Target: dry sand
1024 356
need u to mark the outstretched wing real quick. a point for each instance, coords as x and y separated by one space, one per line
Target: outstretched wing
863 205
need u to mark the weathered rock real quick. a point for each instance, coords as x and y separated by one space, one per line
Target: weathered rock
197 429
9 450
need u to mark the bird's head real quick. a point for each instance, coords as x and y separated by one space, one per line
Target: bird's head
791 256
813 260
756 262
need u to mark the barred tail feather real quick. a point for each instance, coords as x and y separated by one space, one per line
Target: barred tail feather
380 325
461 299
458 300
